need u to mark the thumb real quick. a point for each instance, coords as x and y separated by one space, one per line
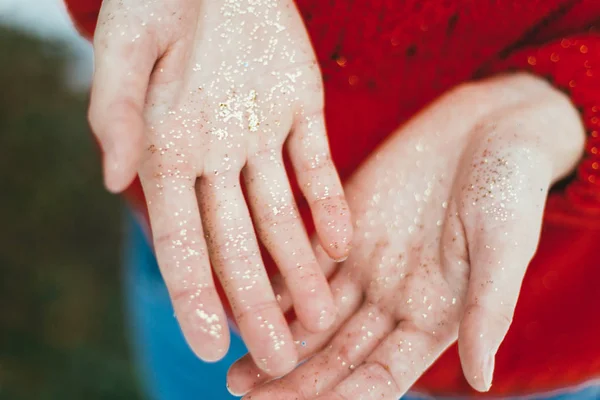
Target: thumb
122 71
502 215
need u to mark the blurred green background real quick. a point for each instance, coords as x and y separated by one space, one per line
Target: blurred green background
62 333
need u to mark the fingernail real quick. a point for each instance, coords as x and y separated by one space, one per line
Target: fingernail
232 391
111 164
488 370
229 389
341 259
233 379
113 170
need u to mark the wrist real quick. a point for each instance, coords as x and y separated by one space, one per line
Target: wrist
534 115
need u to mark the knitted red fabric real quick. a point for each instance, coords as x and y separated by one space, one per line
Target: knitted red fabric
383 60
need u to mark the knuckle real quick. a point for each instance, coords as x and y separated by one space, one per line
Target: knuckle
502 316
332 204
182 243
382 374
284 215
157 167
171 238
181 293
318 162
227 256
123 109
96 119
343 356
310 133
268 154
326 200
256 310
222 170
115 118
128 43
303 275
501 230
234 249
264 164
247 279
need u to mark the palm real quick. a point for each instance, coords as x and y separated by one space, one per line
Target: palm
236 88
212 91
438 232
399 229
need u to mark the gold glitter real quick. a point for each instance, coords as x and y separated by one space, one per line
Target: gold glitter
341 61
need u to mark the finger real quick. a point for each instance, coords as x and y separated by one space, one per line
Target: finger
236 259
348 349
393 367
321 185
181 253
122 71
506 229
280 289
244 375
281 230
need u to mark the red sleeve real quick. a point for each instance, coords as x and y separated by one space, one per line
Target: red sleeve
571 63
84 14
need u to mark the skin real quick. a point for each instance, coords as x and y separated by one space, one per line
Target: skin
173 103
447 217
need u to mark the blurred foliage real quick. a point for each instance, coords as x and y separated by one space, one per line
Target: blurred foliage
61 320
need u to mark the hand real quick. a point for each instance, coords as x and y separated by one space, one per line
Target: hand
448 215
191 89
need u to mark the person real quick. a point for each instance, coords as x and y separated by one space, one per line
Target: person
449 126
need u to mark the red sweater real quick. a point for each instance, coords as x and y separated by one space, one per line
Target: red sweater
383 60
